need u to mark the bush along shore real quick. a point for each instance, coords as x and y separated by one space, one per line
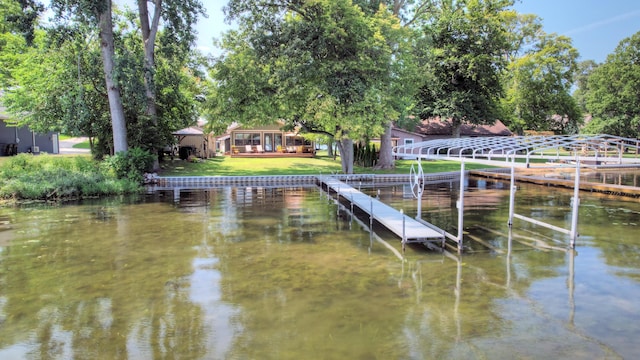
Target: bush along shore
26 177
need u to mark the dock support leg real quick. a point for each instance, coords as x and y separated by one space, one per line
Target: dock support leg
461 208
575 204
512 195
371 214
404 236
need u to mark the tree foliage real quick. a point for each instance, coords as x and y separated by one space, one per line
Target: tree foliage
98 14
613 91
322 66
59 85
180 17
462 51
580 81
20 17
539 83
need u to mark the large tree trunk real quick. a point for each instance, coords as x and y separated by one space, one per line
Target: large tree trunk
149 32
385 159
346 155
456 124
118 121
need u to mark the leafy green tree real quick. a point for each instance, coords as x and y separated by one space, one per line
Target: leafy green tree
613 91
57 86
581 79
539 86
18 21
98 13
47 85
179 17
410 13
322 66
463 55
21 16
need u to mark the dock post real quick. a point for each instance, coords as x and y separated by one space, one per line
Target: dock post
461 208
338 200
512 195
404 235
371 213
351 216
575 204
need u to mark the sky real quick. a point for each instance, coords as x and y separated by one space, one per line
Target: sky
595 26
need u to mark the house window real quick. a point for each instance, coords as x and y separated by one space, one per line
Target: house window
297 141
272 141
242 139
408 141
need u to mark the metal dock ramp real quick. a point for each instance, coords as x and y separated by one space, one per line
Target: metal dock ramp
405 227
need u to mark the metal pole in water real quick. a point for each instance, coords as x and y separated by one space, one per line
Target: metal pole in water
420 185
461 207
512 195
351 214
338 200
575 204
371 213
176 195
404 236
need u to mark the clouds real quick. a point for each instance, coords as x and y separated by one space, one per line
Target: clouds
598 24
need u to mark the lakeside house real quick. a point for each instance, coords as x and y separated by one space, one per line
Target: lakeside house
435 128
240 141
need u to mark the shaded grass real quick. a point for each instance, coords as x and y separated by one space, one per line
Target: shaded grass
82 145
228 166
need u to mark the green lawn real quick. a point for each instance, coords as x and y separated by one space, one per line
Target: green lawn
228 166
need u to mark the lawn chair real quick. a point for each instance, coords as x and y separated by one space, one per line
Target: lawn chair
248 149
259 149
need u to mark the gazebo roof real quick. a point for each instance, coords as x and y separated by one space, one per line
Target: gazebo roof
192 130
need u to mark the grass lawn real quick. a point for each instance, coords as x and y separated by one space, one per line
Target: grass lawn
228 166
82 145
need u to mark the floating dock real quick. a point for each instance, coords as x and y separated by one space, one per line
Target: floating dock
407 228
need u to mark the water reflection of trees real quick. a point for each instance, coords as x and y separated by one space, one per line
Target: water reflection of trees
611 225
97 282
114 282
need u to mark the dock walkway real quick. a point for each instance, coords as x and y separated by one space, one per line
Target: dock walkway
392 219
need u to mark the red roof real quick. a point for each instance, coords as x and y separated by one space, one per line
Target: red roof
435 126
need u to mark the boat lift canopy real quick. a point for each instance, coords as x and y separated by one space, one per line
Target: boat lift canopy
599 149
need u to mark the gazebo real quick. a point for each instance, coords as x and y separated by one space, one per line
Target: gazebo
194 141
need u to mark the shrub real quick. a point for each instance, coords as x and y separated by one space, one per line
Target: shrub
50 177
130 165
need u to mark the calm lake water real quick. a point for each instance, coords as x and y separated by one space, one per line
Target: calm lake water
280 273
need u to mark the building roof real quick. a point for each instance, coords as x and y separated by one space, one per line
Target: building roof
192 130
436 126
